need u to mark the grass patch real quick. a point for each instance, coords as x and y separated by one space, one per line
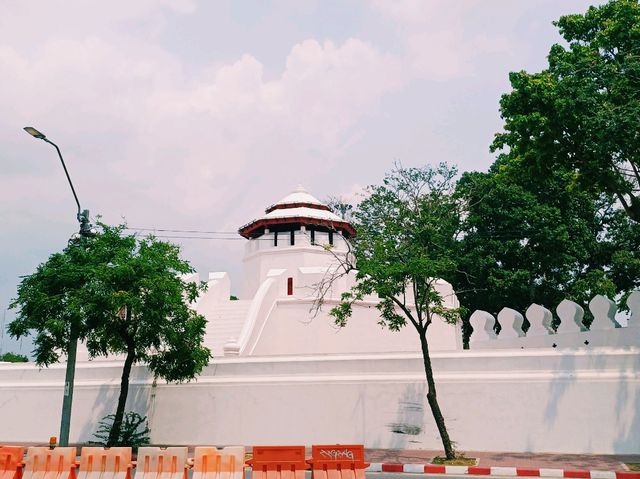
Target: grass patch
458 461
634 466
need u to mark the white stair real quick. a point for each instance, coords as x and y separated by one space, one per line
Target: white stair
225 322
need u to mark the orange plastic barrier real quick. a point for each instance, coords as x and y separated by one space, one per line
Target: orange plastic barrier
214 463
100 463
45 463
11 462
157 463
278 462
338 462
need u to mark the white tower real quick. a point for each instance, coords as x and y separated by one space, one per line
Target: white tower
293 233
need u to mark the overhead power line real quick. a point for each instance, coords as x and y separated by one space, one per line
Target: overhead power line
204 238
502 235
166 230
198 234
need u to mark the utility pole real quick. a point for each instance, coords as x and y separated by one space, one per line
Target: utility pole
86 231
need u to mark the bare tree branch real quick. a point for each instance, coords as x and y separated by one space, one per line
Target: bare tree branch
343 265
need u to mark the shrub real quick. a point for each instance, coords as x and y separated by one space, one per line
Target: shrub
13 358
134 431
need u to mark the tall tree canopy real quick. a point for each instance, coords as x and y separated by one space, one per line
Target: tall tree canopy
406 241
582 113
122 295
528 240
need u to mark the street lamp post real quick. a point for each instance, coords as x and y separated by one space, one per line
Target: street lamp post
86 230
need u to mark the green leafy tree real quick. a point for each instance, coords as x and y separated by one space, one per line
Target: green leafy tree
50 303
528 241
582 113
122 295
406 241
544 223
624 247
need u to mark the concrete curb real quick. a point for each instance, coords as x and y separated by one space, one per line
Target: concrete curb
501 471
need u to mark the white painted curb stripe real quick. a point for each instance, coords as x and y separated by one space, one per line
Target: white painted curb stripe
495 471
374 467
504 471
456 469
416 468
603 475
551 472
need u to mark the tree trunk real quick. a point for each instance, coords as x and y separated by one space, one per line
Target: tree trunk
433 400
114 434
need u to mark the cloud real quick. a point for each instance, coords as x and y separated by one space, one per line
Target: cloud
323 91
144 140
167 124
328 87
148 135
440 37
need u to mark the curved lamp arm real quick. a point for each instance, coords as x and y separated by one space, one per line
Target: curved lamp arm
36 134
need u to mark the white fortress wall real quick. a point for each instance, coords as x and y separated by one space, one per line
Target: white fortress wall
541 400
218 288
608 327
279 323
282 376
286 331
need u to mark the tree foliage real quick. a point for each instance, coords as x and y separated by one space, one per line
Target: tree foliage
51 303
406 241
120 294
528 240
582 113
545 222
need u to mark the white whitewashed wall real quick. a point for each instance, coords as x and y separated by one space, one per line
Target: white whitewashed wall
510 392
544 400
607 329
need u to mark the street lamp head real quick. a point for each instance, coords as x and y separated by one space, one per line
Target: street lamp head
35 133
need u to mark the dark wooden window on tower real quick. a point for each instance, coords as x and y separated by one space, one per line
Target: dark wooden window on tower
275 238
293 237
313 236
289 286
331 237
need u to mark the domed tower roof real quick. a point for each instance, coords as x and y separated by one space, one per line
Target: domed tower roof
298 208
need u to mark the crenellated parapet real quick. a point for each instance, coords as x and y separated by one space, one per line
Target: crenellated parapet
606 330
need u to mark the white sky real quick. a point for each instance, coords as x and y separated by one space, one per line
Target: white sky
197 115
